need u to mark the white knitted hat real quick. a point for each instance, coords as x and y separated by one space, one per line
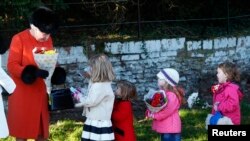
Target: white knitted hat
170 75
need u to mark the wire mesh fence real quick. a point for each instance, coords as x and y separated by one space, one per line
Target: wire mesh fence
130 19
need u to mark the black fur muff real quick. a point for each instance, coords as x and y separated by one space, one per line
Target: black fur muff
29 74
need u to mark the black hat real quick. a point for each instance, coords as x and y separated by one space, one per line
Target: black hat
45 20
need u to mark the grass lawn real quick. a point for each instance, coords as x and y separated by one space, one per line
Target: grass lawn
192 122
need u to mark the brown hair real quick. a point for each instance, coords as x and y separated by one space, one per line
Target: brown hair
102 70
231 70
128 90
179 91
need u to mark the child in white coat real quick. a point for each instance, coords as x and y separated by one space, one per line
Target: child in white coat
8 84
99 101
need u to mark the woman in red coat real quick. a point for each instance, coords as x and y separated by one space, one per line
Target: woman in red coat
28 116
122 116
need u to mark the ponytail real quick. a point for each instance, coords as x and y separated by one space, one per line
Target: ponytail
179 91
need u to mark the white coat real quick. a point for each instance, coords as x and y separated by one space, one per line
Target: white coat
4 132
8 84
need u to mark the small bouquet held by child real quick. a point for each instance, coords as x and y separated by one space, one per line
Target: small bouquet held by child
77 94
46 60
155 100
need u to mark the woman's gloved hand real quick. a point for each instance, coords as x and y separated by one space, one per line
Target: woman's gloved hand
31 73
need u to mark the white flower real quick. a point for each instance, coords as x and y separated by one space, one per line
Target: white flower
192 99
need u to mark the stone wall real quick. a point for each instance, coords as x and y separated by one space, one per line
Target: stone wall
140 61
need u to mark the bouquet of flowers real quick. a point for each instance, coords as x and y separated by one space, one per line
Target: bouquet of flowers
155 100
46 60
76 94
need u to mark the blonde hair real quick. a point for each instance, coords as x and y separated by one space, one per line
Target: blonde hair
128 90
102 70
231 70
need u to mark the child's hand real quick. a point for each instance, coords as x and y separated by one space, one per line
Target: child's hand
149 114
78 105
215 88
76 98
216 106
76 94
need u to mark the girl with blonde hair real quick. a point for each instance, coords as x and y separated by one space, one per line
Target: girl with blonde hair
98 103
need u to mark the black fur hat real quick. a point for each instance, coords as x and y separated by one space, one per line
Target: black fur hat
45 20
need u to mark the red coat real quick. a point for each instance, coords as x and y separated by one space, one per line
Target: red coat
122 120
28 105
